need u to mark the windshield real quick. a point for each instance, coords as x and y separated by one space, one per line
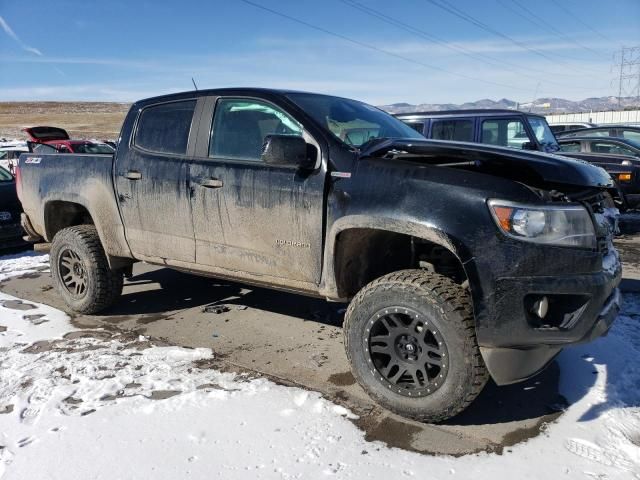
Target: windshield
5 176
354 123
544 134
93 148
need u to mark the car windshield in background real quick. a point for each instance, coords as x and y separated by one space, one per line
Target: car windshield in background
544 134
93 148
5 176
352 122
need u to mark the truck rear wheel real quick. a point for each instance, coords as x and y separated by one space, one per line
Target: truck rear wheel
80 270
410 339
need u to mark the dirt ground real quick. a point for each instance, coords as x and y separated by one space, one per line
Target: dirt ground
83 120
298 341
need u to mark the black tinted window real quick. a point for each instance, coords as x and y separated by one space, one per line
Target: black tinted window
457 130
418 127
165 128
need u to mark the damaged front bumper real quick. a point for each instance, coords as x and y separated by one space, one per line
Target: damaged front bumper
581 309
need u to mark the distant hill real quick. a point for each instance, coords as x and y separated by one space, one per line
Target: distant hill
555 105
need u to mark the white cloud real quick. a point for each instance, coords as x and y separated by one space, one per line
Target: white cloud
9 31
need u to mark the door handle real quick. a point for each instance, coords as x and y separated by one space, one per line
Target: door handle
211 183
133 175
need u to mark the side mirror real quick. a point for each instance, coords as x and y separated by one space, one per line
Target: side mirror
529 146
287 150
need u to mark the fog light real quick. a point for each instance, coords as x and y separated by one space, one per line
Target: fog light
624 177
541 307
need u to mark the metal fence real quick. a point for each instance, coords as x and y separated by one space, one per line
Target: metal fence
624 116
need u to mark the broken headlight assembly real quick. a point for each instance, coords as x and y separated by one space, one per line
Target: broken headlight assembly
563 225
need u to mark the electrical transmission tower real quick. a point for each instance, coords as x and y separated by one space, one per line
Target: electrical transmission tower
629 76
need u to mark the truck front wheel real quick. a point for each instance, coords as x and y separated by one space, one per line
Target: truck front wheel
410 339
80 270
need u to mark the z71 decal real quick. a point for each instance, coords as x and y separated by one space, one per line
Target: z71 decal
33 160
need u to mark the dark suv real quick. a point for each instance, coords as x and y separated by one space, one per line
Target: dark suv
505 128
521 131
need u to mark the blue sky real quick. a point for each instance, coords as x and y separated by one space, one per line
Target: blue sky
374 50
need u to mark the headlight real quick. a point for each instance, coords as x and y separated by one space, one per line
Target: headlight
568 226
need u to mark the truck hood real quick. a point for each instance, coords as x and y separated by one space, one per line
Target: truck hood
519 165
46 134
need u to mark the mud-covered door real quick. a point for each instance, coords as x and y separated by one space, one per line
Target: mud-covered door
152 182
249 216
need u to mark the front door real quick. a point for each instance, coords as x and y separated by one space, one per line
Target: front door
249 216
152 183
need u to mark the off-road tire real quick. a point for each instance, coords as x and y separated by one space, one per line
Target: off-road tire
447 307
103 285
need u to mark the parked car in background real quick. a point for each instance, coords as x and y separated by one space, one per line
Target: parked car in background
9 156
619 131
461 261
505 128
561 127
618 156
58 139
10 229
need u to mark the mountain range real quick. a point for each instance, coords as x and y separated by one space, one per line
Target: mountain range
541 105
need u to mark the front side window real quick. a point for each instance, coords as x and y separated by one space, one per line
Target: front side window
632 135
570 147
354 123
504 132
165 128
456 130
240 127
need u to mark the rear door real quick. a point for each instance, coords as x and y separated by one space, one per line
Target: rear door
249 216
151 176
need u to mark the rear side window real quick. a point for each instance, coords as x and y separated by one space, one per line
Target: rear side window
456 130
165 128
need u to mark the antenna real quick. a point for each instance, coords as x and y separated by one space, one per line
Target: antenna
194 83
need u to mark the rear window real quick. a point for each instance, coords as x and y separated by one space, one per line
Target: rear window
457 130
165 128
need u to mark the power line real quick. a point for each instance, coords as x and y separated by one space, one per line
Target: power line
537 20
446 6
577 19
374 48
452 46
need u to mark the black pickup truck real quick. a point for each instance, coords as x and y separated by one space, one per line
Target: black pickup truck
460 261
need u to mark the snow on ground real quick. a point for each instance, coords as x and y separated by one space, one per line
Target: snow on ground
109 405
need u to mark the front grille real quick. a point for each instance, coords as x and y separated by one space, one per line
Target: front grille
606 218
601 206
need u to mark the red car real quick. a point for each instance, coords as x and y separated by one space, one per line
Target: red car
58 139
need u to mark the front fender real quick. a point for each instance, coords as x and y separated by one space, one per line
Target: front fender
423 230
